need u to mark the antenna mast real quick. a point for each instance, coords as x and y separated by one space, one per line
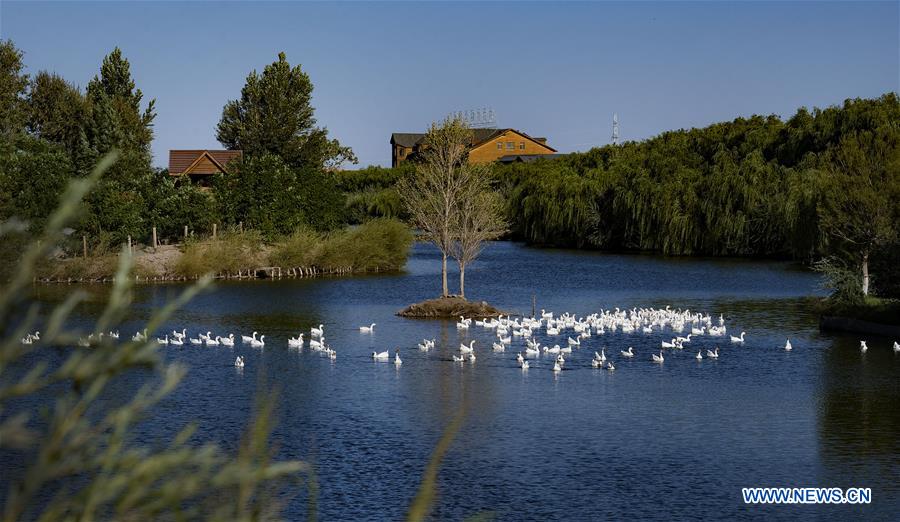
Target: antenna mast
615 134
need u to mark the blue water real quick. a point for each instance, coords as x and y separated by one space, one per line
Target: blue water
671 441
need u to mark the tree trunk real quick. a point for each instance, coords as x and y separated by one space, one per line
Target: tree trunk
462 280
865 271
445 289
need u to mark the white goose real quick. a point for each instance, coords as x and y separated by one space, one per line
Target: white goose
610 366
628 353
532 351
227 341
397 360
557 367
738 339
699 356
519 358
498 347
317 332
367 329
163 341
458 358
787 345
896 347
259 343
467 349
239 362
596 364
177 341
196 341
863 347
213 342
664 344
524 365
244 338
381 356
296 342
472 357
713 354
658 358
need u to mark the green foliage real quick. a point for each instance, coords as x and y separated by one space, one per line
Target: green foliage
841 280
274 116
377 245
13 83
268 195
31 181
227 254
81 461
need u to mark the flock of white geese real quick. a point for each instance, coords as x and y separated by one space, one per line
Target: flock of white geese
507 330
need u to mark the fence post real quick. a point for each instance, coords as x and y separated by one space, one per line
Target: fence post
154 237
241 226
130 250
214 230
185 231
84 245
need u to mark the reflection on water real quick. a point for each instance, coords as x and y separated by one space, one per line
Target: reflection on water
671 441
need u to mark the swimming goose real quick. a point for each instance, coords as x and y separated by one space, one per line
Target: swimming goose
863 347
213 342
596 364
524 365
317 332
261 342
787 345
713 354
498 347
239 362
561 360
699 356
738 339
397 360
163 341
244 338
628 353
196 341
296 342
467 349
381 356
367 329
610 366
896 346
179 335
472 357
668 345
658 358
556 367
227 341
458 358
177 341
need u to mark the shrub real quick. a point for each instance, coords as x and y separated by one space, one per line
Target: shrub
227 254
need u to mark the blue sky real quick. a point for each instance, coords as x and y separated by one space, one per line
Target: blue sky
549 69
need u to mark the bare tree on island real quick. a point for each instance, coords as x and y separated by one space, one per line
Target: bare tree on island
431 195
479 219
450 200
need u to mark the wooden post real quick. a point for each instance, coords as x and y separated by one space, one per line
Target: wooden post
214 230
84 245
154 237
185 231
241 227
130 251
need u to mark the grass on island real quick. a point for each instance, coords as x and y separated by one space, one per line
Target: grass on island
871 309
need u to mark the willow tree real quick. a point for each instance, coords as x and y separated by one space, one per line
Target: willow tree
432 193
479 218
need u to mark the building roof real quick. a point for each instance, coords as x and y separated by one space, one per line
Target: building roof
190 161
479 136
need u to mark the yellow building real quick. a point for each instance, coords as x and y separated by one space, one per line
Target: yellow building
487 145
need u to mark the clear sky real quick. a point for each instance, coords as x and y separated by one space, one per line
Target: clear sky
557 69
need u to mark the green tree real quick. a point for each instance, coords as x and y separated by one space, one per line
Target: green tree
57 112
267 194
274 116
13 84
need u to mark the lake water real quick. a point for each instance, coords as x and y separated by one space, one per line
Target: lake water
671 441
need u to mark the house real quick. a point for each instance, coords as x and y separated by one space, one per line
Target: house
200 165
487 145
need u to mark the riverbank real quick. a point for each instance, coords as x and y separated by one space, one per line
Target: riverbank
874 316
376 246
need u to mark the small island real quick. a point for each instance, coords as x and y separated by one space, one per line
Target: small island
449 307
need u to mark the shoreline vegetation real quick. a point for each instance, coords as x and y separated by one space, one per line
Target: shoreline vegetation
379 245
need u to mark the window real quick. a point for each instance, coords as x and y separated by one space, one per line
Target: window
510 145
499 145
521 145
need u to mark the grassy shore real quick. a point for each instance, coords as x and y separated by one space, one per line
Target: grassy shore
380 245
872 309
